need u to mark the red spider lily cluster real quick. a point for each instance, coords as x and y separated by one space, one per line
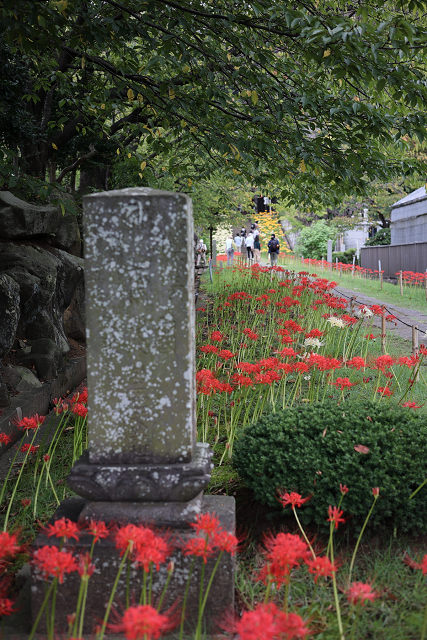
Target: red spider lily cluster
276 338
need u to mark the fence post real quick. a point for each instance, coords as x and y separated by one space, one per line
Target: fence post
354 264
380 273
383 330
401 282
415 347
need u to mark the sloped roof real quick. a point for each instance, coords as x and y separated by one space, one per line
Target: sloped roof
415 196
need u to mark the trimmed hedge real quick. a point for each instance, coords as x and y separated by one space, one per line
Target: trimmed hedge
310 449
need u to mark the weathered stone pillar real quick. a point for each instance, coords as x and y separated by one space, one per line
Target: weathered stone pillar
141 353
143 464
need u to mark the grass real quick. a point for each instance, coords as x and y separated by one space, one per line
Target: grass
397 614
414 297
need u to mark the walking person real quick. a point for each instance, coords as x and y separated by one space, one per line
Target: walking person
273 249
201 249
249 242
238 243
257 249
229 249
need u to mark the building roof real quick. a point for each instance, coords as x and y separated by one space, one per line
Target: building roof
415 196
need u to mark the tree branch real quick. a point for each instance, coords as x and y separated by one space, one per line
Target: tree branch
77 163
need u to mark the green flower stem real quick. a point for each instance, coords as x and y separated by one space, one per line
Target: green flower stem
7 477
416 490
334 585
286 598
360 537
184 604
40 613
203 604
15 488
303 532
112 594
162 597
143 596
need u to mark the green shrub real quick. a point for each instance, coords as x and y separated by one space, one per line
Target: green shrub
310 450
383 236
346 257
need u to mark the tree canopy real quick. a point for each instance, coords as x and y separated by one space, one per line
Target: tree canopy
309 95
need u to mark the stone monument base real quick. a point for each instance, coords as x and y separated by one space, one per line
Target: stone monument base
107 559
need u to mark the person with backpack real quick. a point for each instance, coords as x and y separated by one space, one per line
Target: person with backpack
273 249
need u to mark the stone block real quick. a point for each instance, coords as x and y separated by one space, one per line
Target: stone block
107 560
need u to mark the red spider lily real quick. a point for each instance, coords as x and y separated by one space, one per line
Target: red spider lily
8 544
251 334
217 336
30 448
343 489
349 319
53 562
385 391
199 547
81 396
290 626
242 381
85 568
5 438
328 364
26 424
383 362
376 310
143 622
416 565
226 541
320 566
283 552
151 549
360 592
63 528
266 378
314 333
130 537
343 383
390 318
206 524
376 491
98 530
287 352
370 336
335 515
6 607
412 405
225 354
26 502
268 363
286 367
209 348
80 410
224 387
294 499
248 367
260 311
356 363
300 367
409 362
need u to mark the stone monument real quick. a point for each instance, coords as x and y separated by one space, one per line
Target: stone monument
143 464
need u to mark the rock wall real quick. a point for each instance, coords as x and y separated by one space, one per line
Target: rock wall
41 277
